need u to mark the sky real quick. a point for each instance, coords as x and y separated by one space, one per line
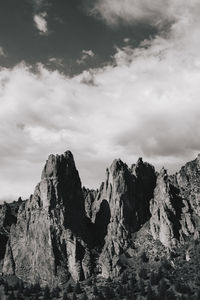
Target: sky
104 79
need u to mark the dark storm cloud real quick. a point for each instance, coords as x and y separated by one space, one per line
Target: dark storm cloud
70 31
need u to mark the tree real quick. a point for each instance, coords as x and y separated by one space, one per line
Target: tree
19 296
69 288
46 295
84 297
95 291
55 292
144 257
11 296
142 287
162 288
143 273
150 293
74 296
6 288
65 297
77 288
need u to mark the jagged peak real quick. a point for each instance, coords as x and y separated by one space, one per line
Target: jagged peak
117 165
139 161
54 162
163 172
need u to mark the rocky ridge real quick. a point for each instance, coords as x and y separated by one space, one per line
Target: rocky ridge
65 230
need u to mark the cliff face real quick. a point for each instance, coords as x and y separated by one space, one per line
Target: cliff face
49 241
175 207
8 216
120 208
65 230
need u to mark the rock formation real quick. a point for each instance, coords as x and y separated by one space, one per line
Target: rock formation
49 241
175 207
8 216
65 230
120 208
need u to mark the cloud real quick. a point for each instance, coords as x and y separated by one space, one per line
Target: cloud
85 55
40 4
144 104
156 12
2 52
41 23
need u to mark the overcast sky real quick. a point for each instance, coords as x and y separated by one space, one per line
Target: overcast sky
103 78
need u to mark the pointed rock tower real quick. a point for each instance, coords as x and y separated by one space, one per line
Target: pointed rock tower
50 240
120 208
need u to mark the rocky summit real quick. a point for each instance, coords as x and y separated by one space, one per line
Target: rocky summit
67 231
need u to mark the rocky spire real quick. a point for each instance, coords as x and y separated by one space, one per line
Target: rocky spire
49 241
123 199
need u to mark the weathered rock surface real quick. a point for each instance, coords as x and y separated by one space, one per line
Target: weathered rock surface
89 197
49 241
8 216
175 207
64 229
121 206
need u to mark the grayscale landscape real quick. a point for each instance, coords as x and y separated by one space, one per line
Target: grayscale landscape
111 88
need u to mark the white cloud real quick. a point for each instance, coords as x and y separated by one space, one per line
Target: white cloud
2 52
146 104
85 55
41 23
157 12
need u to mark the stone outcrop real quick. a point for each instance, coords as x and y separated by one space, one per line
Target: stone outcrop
166 209
120 208
49 241
8 216
175 207
89 197
65 230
